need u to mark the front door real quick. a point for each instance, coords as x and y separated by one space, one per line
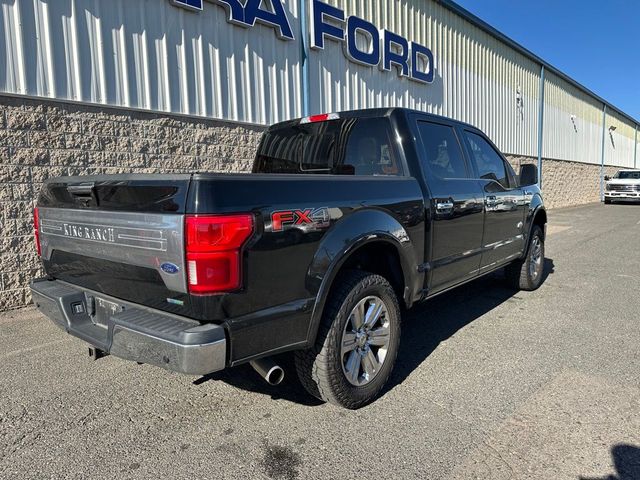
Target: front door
456 207
504 203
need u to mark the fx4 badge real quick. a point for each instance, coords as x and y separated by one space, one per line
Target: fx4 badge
307 220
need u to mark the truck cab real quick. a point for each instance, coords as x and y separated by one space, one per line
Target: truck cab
478 208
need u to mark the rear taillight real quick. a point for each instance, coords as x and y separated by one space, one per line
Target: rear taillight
213 246
36 230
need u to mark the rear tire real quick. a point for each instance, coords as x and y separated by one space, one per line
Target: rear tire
357 342
527 274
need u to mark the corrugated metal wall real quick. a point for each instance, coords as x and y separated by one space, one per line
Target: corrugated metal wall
573 127
636 154
150 54
619 143
572 123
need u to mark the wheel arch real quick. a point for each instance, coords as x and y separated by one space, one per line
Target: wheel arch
368 235
537 217
540 219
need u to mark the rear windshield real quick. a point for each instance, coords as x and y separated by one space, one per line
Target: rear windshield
628 175
354 146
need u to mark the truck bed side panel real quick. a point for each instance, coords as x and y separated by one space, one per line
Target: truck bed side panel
278 293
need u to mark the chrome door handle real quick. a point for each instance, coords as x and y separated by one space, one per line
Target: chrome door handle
442 207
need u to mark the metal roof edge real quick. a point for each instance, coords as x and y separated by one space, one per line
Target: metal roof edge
478 22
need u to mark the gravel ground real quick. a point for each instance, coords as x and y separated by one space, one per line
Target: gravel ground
489 384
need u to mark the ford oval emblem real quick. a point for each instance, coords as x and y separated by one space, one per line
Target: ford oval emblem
170 268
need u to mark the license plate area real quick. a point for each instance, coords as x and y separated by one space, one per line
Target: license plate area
103 310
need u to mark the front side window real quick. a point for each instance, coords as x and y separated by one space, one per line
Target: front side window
350 146
489 163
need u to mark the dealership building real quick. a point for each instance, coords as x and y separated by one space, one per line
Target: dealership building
112 86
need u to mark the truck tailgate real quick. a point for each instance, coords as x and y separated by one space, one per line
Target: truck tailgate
121 235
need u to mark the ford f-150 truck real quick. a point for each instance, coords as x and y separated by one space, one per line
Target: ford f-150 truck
346 220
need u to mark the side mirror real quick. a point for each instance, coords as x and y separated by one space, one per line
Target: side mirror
607 178
528 175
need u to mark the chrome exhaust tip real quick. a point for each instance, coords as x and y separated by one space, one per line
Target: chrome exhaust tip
269 370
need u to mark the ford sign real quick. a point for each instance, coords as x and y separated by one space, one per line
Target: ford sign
363 42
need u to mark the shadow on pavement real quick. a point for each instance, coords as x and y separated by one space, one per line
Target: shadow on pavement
626 459
438 319
246 378
423 329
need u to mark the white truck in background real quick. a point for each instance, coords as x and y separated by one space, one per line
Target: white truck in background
624 185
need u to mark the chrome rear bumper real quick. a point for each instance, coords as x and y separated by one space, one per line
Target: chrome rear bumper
131 331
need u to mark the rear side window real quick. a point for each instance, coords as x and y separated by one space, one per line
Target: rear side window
442 152
489 163
339 147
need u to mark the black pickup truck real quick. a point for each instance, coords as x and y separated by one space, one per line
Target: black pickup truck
347 220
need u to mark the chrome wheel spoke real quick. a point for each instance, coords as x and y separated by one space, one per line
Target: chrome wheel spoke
357 316
379 337
375 311
349 342
370 364
352 367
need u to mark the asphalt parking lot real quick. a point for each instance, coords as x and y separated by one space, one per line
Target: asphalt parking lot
489 384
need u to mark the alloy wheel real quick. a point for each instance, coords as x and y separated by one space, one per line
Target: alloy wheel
365 341
536 258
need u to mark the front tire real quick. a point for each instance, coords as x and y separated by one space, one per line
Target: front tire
527 274
607 201
357 342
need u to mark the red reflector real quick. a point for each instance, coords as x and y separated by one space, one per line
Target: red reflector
213 245
36 230
213 272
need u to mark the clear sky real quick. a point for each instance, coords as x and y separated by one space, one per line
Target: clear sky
595 42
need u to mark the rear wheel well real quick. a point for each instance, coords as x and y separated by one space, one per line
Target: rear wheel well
381 258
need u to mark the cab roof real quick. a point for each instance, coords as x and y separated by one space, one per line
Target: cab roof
364 113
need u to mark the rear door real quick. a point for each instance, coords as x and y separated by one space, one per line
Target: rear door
504 203
456 205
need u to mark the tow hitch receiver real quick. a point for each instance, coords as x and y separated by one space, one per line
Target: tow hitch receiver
96 353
